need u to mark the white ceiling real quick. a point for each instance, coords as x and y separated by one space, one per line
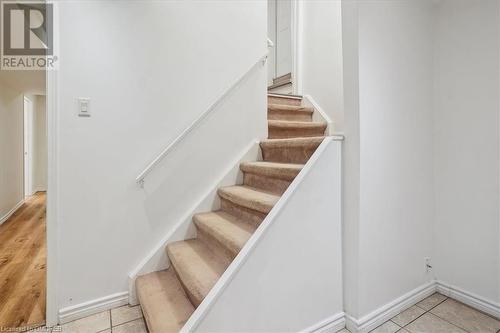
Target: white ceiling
28 82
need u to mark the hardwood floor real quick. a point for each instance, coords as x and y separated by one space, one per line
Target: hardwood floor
23 266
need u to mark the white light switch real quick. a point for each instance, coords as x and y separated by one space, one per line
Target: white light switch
83 107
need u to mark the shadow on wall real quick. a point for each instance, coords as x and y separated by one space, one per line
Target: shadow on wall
199 162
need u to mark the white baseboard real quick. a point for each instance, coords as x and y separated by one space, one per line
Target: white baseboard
475 301
331 324
11 212
386 312
89 308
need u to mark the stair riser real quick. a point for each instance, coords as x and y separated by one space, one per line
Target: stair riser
142 297
283 101
298 155
273 185
251 216
288 115
285 133
216 246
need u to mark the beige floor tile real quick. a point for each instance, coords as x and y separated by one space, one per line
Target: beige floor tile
387 327
106 331
407 316
96 323
344 330
136 326
403 330
431 301
429 323
466 317
124 314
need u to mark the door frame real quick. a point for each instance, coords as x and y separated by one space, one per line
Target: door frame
52 308
27 147
53 182
296 35
296 27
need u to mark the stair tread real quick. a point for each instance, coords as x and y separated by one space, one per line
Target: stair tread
198 268
296 124
249 197
294 108
286 171
232 232
165 306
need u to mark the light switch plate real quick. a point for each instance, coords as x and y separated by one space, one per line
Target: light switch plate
83 107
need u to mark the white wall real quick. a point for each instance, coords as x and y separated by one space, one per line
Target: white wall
40 143
350 167
395 194
320 59
396 208
271 34
466 150
428 150
11 149
150 69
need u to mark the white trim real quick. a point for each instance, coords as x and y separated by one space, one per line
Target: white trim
270 43
89 308
386 312
11 212
157 258
202 310
296 45
40 189
331 324
52 102
28 158
475 301
320 114
141 177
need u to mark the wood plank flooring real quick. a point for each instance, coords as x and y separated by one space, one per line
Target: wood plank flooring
23 266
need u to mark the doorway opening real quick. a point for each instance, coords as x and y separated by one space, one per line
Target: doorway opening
28 155
281 25
23 193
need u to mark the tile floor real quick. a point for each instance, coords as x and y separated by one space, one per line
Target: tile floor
125 319
439 314
435 314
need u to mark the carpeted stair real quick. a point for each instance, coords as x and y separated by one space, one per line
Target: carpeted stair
168 298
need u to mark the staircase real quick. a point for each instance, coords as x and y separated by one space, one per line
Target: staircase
169 297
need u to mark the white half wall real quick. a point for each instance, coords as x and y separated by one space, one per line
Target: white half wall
389 202
149 69
11 150
320 56
467 146
288 278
